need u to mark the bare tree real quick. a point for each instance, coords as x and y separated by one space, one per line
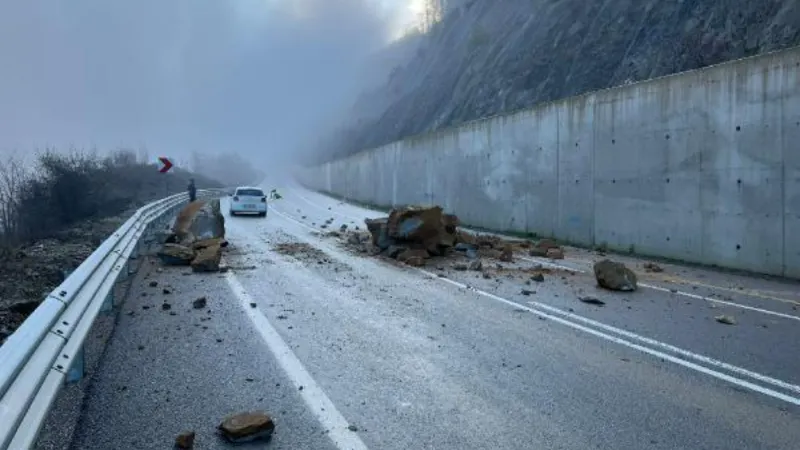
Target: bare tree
13 179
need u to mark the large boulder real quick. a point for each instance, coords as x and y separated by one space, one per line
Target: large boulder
199 220
415 223
176 254
207 259
379 231
614 276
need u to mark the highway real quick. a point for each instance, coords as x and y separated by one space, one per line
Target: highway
349 351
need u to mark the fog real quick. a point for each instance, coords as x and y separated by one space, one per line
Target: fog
259 77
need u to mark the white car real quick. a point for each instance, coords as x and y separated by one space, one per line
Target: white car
248 200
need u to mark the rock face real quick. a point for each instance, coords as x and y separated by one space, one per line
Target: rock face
176 254
614 276
246 427
490 57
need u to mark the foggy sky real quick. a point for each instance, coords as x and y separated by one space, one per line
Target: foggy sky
253 76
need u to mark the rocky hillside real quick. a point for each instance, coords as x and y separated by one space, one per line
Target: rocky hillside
489 57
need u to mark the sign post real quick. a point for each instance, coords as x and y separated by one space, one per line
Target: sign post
166 164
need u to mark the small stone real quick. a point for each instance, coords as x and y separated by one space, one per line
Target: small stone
141 347
352 428
185 440
415 261
166 291
173 313
153 283
246 427
253 305
166 306
592 300
507 254
487 275
476 265
527 292
537 277
460 267
537 252
199 303
555 253
652 267
727 320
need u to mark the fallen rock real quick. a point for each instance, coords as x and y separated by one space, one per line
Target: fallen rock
378 230
412 253
246 427
507 254
537 252
547 244
395 250
555 253
614 276
176 255
460 267
210 242
592 300
199 220
652 267
207 259
415 261
476 265
537 277
727 320
415 223
199 303
471 250
185 440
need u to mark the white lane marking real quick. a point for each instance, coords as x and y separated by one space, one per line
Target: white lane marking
644 285
674 359
316 399
676 292
688 364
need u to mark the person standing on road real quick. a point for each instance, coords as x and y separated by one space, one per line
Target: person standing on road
192 190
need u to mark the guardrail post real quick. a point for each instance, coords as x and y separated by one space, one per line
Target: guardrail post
78 368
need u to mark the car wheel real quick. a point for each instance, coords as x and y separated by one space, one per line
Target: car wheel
263 214
231 213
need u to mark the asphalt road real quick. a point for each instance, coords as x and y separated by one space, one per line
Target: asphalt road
392 357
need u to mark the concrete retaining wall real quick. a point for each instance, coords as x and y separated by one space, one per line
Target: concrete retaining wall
702 166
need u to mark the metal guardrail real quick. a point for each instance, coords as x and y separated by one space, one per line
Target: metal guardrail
47 349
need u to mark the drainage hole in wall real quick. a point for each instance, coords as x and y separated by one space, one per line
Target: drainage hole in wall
667 238
739 181
738 247
666 137
667 180
576 144
738 128
613 181
614 141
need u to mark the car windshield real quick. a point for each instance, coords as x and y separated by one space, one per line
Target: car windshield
250 192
